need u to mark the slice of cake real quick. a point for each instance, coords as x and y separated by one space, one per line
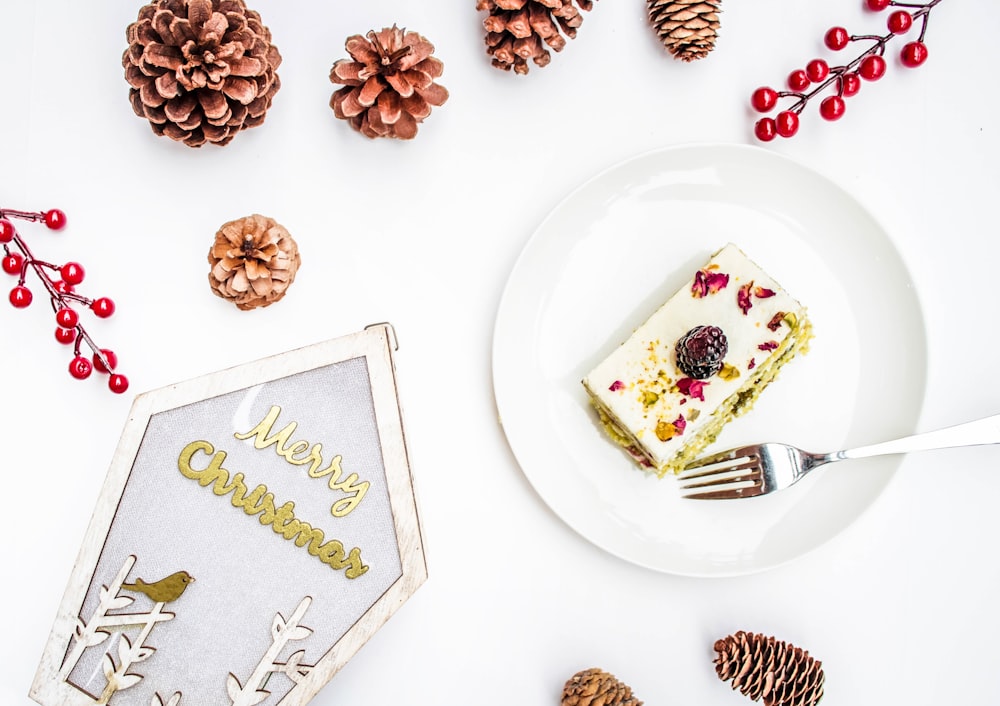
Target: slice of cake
698 362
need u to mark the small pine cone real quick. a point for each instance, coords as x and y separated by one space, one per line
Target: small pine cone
594 687
687 28
388 83
518 30
200 70
253 262
767 669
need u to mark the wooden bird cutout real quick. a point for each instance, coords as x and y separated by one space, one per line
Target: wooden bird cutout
165 590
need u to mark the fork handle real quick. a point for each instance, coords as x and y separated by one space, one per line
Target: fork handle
975 433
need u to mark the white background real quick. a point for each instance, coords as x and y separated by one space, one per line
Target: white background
900 607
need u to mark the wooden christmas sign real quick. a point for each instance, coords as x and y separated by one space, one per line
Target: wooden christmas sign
256 527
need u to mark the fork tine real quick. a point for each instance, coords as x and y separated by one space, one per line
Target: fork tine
727 455
750 472
723 466
728 493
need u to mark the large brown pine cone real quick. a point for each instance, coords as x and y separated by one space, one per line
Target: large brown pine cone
388 83
200 70
518 30
687 28
253 260
595 687
767 669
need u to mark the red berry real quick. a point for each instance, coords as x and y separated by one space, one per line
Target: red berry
798 80
913 54
765 129
67 318
72 272
65 335
6 231
832 107
12 264
877 5
817 70
787 123
55 219
850 84
80 368
20 297
118 383
763 99
899 21
872 67
110 357
836 38
62 287
103 307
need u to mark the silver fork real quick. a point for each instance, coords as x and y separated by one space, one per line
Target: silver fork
760 469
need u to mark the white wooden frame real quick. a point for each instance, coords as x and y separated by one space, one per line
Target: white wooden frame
375 344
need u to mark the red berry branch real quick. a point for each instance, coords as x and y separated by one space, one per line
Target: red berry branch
62 295
845 80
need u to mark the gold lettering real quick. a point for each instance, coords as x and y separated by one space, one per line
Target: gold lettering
297 448
333 468
253 502
261 431
259 501
344 506
292 451
280 440
184 460
283 515
358 567
332 552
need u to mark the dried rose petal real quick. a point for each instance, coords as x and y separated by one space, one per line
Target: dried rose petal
679 424
699 288
616 385
716 281
763 292
706 282
692 387
743 298
752 364
776 320
767 346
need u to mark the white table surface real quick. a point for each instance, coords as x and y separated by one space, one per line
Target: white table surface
900 607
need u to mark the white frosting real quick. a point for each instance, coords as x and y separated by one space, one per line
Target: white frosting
645 365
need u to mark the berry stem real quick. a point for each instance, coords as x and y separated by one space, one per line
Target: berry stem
23 215
921 11
924 16
57 300
837 72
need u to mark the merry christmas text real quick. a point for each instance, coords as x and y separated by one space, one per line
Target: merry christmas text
260 501
301 453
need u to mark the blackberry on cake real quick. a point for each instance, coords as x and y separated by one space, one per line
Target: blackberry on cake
698 362
700 351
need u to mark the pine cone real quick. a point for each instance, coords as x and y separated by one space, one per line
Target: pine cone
687 28
388 83
594 687
200 70
765 668
254 261
518 30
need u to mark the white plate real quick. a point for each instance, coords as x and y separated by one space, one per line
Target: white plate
616 248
